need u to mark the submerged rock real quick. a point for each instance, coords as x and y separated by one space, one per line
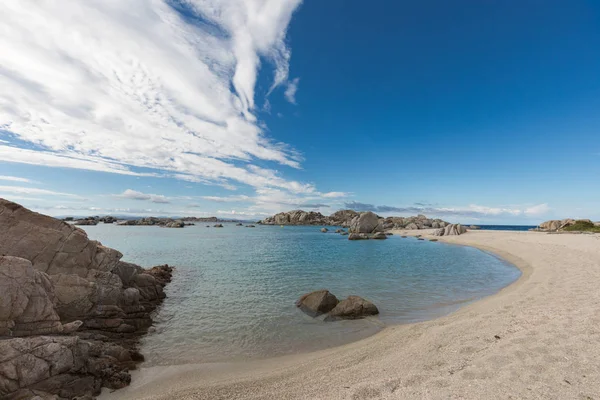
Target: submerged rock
324 230
353 307
218 225
317 303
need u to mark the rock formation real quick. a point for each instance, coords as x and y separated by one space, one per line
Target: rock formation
353 307
569 224
317 303
296 217
450 230
366 222
323 302
54 280
346 217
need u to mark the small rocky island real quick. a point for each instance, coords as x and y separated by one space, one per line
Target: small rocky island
569 225
71 312
162 222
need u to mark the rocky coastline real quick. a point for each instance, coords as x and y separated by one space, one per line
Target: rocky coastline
71 312
163 222
345 219
568 225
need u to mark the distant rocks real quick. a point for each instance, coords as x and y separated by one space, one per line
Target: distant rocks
85 222
218 226
174 224
569 225
364 222
324 302
450 230
239 224
250 226
296 217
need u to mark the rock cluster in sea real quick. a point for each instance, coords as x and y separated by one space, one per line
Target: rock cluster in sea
345 218
324 302
146 221
55 281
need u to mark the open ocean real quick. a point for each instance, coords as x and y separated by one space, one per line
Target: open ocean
233 292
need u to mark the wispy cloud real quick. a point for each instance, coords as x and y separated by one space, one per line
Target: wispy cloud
7 191
291 89
16 179
135 195
471 211
165 88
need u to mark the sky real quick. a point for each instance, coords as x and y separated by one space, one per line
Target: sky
470 111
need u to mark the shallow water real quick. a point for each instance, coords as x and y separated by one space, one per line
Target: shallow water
233 293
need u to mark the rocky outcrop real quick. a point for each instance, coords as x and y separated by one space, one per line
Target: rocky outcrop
64 366
57 281
345 218
353 307
450 230
342 218
296 217
317 303
86 222
175 224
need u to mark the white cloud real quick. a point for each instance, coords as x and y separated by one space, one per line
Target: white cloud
539 209
115 86
291 89
16 179
135 195
331 195
19 190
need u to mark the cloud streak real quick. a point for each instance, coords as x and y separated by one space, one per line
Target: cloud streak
472 211
160 88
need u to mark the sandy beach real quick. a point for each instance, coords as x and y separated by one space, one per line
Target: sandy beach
536 339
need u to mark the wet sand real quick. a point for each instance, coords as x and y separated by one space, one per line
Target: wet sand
539 338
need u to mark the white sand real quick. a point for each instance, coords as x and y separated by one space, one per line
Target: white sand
548 324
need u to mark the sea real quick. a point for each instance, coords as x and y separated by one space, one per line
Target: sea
233 293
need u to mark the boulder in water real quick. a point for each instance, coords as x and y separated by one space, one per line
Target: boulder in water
353 307
324 230
366 222
317 303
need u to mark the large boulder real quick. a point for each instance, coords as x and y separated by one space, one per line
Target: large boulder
297 217
83 273
366 222
317 303
353 307
450 230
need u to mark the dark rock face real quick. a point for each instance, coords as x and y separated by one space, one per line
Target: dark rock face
317 303
60 282
353 307
66 366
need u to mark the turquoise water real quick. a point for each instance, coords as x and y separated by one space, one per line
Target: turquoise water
233 293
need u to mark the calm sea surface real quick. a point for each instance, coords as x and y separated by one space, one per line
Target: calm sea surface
233 293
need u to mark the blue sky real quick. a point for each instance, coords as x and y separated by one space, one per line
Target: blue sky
483 112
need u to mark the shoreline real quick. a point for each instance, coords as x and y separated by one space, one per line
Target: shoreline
408 360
